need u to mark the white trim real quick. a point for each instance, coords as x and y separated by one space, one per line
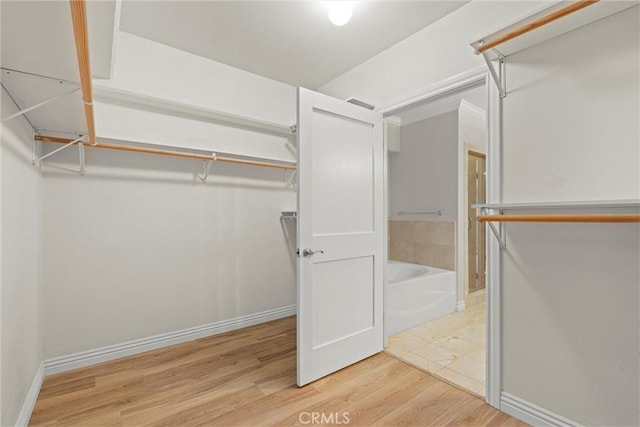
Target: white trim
472 109
394 120
454 84
111 352
461 220
30 400
530 413
461 305
494 260
385 232
427 111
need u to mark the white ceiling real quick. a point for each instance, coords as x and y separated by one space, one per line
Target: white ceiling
290 41
37 37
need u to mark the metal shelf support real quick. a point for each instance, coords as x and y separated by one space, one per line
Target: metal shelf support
500 76
206 165
499 234
67 145
39 104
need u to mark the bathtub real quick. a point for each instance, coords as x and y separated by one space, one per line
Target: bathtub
416 294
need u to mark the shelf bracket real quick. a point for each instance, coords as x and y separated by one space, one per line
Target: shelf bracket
499 234
206 165
39 104
290 177
81 158
34 155
67 145
499 77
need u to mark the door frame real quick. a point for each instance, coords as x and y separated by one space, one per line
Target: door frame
461 82
463 179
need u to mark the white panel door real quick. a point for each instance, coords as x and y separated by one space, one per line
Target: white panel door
340 234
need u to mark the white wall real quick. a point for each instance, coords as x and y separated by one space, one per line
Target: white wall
156 70
139 246
570 298
21 260
423 176
586 114
571 117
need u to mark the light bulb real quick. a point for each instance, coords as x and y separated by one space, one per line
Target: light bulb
340 12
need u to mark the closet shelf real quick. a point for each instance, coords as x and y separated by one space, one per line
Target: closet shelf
169 106
522 28
547 23
289 214
594 204
173 153
488 213
590 218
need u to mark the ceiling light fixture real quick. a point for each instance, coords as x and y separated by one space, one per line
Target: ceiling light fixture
340 12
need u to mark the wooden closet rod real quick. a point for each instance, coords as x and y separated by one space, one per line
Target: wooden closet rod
79 18
574 7
173 153
617 218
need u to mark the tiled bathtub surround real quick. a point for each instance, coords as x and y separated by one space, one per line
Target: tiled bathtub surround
423 242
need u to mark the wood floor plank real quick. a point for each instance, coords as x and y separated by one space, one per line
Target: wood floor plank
247 378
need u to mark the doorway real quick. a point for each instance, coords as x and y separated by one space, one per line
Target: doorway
430 322
476 193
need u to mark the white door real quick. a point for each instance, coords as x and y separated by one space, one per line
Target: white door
340 234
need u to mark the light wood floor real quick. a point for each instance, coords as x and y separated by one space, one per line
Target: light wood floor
247 378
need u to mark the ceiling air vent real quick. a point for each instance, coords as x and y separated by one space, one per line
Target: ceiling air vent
359 103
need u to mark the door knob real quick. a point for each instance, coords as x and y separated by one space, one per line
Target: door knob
309 252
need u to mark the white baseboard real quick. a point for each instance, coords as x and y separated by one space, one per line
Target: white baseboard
461 306
530 413
111 352
30 400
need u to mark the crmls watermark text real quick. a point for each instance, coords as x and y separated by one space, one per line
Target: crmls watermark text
318 418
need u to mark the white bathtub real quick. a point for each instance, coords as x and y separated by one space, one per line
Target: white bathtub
416 294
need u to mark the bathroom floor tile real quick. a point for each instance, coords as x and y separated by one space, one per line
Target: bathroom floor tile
406 341
457 345
441 356
425 332
474 333
479 354
446 325
470 368
452 347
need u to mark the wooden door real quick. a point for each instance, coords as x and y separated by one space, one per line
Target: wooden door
476 185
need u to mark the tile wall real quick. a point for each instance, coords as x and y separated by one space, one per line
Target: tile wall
423 242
